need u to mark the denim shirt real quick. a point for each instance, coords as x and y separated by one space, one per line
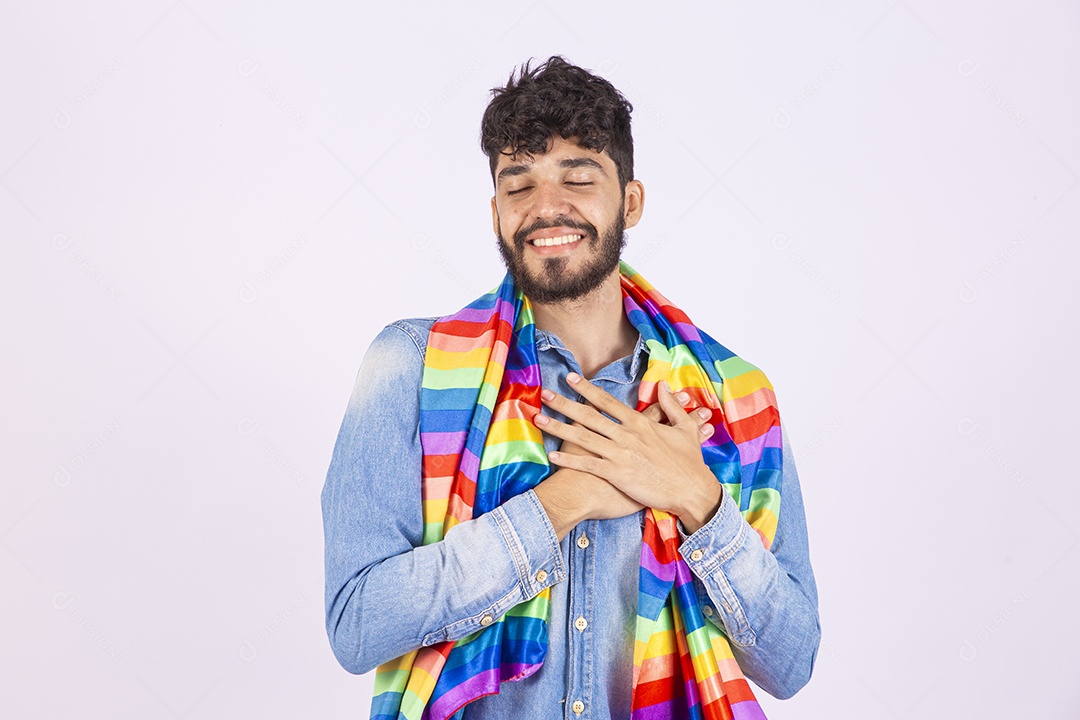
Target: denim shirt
386 594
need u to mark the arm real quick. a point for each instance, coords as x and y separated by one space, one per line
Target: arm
765 601
386 594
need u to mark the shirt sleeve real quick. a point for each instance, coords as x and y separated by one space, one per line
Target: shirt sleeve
765 601
386 593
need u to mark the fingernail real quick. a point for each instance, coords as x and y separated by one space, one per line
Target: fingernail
546 394
682 397
540 419
706 429
572 378
704 413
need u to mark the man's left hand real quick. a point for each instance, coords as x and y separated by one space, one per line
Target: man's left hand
657 465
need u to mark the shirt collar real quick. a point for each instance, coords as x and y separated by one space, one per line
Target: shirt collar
550 341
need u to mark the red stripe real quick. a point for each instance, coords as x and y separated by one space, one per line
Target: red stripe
754 426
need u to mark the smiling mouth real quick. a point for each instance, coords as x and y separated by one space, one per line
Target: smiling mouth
553 241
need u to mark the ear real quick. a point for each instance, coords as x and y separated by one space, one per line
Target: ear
633 201
494 217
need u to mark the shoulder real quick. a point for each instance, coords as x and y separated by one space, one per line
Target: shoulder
407 336
393 365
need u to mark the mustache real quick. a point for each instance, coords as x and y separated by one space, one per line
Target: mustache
522 235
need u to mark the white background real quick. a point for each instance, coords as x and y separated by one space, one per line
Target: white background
208 212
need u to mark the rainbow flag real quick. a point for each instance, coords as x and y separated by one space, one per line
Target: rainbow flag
480 390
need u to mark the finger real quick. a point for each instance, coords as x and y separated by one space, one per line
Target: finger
675 413
569 446
580 413
601 399
579 435
584 463
655 413
705 431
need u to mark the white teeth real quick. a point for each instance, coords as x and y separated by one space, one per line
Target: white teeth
561 240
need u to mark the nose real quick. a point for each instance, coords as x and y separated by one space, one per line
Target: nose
550 199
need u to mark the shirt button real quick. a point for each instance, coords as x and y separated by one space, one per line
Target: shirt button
578 707
583 542
708 611
541 576
697 555
486 620
581 623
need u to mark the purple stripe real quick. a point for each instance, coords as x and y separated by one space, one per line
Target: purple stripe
653 565
692 697
478 685
747 710
660 711
470 464
505 310
443 443
473 315
750 450
529 377
682 575
688 332
518 671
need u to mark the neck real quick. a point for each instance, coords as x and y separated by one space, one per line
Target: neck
594 327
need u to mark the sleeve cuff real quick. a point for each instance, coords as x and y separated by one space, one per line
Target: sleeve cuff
715 541
705 552
532 543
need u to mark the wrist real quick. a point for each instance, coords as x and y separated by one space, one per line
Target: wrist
564 506
702 506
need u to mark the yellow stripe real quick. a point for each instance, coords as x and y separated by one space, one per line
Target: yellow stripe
720 647
512 430
435 509
745 384
764 521
447 360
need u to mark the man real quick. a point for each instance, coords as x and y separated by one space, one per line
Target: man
564 500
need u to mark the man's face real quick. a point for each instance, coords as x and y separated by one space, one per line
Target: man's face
560 218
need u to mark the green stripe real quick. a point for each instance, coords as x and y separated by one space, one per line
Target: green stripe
767 498
646 629
412 707
488 395
433 532
658 351
536 608
734 490
435 379
734 367
682 357
391 681
512 451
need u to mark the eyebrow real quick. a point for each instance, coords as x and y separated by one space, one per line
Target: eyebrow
521 169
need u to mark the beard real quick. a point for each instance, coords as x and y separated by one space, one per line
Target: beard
554 283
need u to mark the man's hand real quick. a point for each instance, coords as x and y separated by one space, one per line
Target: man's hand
652 463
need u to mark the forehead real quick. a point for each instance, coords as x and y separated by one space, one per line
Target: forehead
559 149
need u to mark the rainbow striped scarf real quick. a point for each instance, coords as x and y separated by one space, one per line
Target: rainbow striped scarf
480 389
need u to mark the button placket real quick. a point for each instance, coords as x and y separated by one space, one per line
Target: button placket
579 643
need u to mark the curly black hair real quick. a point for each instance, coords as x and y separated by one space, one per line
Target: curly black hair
558 97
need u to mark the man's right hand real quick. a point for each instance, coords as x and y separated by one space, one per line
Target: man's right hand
570 496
